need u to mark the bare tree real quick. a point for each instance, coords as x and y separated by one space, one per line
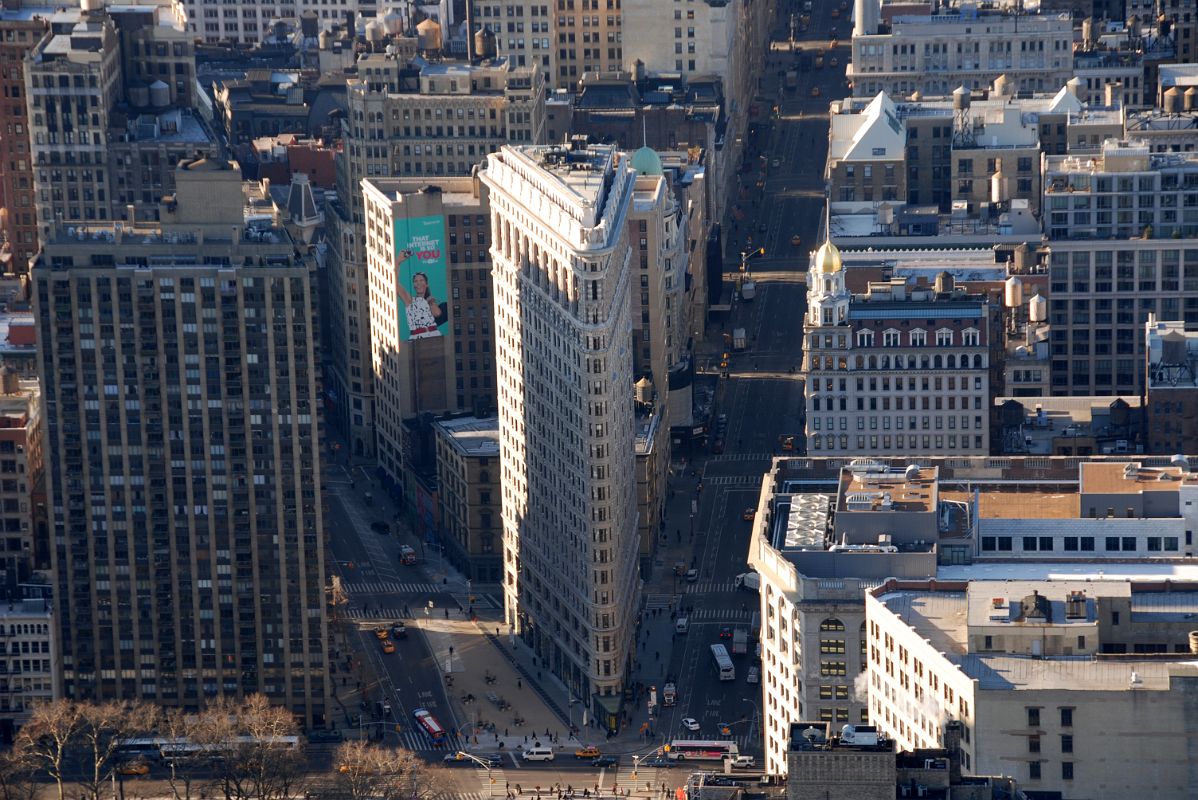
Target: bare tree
103 726
260 757
18 778
47 738
187 774
367 771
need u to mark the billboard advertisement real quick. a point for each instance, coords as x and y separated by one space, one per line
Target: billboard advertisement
421 280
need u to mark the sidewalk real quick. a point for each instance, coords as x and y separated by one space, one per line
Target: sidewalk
508 710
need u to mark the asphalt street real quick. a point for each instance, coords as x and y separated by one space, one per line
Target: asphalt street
762 398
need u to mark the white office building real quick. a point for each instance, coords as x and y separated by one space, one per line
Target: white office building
562 271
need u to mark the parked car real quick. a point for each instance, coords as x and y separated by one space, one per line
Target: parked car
605 761
726 632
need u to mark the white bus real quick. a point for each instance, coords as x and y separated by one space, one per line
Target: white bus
701 750
723 663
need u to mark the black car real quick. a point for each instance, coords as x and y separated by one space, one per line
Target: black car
321 736
492 759
605 761
378 526
657 762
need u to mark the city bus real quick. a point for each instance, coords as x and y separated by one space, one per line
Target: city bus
429 724
128 749
702 750
182 747
723 663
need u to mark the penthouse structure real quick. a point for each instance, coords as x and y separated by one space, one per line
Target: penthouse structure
824 534
1051 680
563 272
180 373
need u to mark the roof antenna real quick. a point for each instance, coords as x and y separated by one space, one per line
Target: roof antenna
644 130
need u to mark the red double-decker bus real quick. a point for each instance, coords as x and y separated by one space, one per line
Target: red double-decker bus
428 723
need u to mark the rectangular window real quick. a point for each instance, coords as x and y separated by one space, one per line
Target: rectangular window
1067 770
1033 717
1066 742
1067 718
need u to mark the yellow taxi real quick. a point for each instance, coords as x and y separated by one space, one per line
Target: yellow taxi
590 751
388 646
788 442
748 514
380 633
133 768
795 241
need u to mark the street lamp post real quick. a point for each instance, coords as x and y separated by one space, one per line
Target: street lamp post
485 765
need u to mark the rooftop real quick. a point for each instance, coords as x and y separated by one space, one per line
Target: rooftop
866 487
1128 478
943 618
472 436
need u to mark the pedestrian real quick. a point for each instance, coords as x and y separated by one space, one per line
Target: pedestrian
519 683
518 789
505 731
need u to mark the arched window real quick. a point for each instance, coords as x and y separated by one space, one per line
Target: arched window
873 362
860 362
952 361
925 362
937 362
977 362
831 625
885 362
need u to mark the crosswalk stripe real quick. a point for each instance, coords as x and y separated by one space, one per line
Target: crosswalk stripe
743 457
655 601
389 587
745 481
703 587
374 613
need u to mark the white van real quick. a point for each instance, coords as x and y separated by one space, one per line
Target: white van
682 625
748 580
538 754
